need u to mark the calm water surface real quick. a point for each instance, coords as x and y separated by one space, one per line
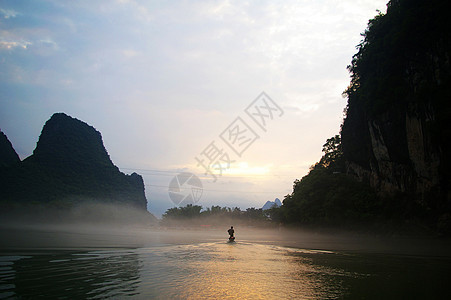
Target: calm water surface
218 270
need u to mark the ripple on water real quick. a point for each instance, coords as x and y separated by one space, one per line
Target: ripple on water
213 271
241 270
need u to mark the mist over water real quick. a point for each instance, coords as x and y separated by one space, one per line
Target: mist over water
101 260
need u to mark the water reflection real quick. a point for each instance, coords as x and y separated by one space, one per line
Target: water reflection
244 270
68 275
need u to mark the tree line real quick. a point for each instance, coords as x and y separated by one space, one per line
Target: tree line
215 215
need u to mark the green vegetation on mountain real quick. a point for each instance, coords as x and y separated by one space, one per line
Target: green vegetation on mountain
327 195
391 162
216 215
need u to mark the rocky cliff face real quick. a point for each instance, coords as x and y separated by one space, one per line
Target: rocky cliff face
68 166
396 134
402 154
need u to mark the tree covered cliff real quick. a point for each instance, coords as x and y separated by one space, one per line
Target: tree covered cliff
391 160
396 134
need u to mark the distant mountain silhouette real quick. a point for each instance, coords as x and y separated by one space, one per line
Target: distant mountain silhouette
69 166
271 204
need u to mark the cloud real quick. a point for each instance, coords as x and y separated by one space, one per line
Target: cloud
49 44
8 13
10 45
130 53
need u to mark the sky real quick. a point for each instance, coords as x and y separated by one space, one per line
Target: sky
240 94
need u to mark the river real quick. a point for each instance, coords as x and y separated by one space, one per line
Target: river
174 264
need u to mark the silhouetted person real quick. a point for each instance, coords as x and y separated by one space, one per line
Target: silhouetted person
231 232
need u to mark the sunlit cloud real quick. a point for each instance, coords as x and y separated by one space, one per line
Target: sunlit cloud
10 45
8 13
129 53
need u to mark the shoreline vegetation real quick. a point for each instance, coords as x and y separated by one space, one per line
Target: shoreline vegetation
194 217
